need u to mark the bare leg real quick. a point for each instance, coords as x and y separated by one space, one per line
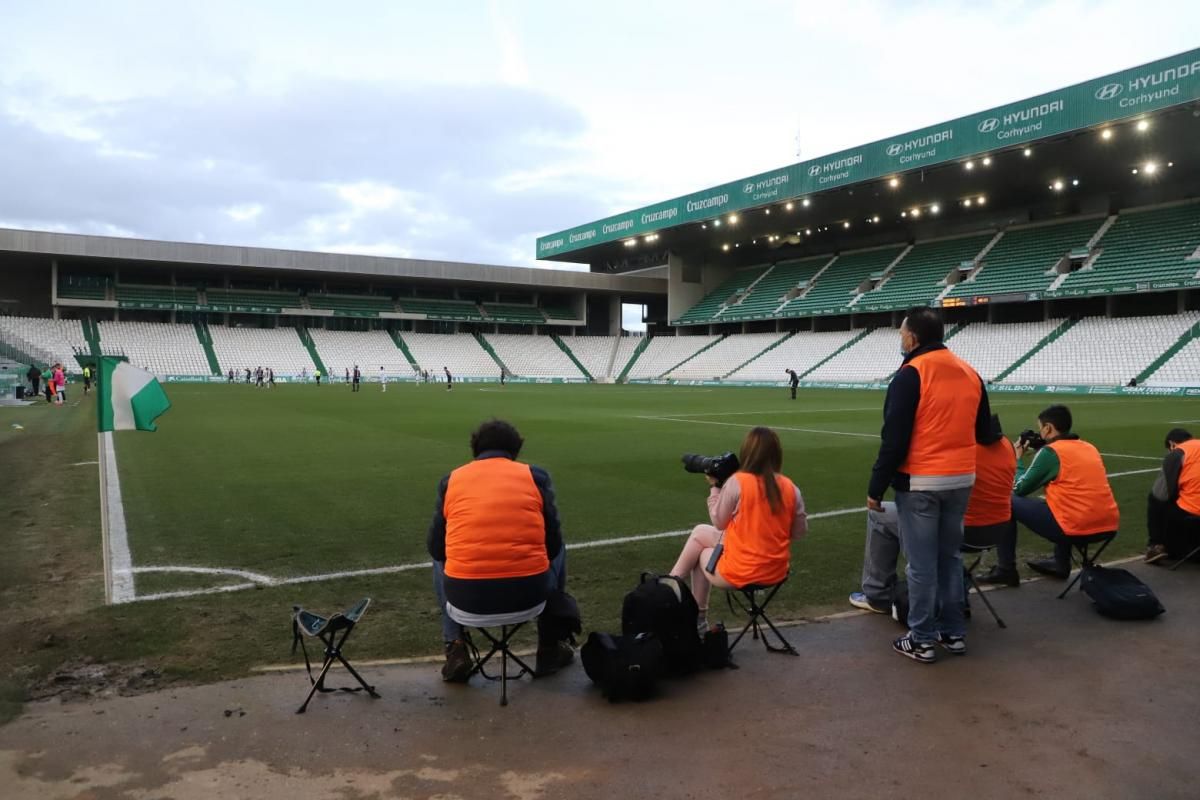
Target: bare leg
691 561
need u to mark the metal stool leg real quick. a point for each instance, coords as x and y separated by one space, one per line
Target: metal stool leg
1188 557
986 602
504 666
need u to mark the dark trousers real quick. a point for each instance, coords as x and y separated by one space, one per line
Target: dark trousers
1037 517
1172 527
793 392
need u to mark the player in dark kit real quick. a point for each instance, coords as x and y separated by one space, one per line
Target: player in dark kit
794 380
449 379
357 376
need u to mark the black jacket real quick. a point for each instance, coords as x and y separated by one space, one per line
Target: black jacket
899 415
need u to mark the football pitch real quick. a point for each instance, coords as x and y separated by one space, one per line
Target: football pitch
248 500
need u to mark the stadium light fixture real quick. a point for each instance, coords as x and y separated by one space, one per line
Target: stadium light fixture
1143 124
790 206
725 247
1075 182
875 219
1150 168
805 202
1057 186
904 213
967 202
716 223
739 244
808 231
768 211
981 200
935 208
631 242
894 182
1028 152
1134 170
1106 134
916 212
987 161
846 225
703 226
1170 163
733 218
970 165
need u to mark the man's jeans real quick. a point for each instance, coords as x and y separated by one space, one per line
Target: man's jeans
451 630
931 533
1037 516
881 556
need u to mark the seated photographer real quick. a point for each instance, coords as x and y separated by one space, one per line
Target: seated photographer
756 513
1173 508
497 546
987 519
1079 500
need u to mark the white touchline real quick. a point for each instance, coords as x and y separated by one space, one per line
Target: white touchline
120 562
1126 455
266 580
774 427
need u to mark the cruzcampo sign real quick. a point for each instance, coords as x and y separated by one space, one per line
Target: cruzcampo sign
1150 87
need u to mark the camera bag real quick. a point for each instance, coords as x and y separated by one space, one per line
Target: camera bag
1119 594
664 606
624 667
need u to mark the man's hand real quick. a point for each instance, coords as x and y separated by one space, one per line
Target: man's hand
874 505
1021 449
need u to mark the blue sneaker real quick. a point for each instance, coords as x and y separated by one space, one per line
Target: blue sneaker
859 600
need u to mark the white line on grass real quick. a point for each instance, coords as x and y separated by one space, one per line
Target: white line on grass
266 580
1124 455
120 562
85 463
774 427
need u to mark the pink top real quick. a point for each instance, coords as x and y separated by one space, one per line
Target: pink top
60 378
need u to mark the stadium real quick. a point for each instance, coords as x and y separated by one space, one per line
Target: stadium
1059 235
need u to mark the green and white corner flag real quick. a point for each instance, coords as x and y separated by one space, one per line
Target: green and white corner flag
128 398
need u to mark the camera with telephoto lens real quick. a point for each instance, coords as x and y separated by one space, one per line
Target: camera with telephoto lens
1031 440
719 467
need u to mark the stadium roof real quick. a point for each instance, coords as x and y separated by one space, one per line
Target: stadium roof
340 265
1169 82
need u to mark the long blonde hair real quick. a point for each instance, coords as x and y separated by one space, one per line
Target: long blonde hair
762 455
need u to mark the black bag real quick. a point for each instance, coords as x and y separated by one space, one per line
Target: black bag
1119 594
624 667
900 602
664 606
715 647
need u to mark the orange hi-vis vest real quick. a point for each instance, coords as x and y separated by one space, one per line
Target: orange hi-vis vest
494 523
991 497
757 539
1080 498
1189 477
943 436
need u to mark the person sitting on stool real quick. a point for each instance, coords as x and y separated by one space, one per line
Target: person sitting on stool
1173 508
1079 500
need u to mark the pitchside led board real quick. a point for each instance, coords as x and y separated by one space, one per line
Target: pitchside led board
1151 87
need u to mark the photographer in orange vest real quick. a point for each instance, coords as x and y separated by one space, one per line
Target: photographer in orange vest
497 546
1079 500
1173 508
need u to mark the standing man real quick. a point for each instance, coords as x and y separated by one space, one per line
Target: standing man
87 379
35 378
449 379
230 376
317 375
935 412
794 380
347 375
382 379
271 377
357 378
502 376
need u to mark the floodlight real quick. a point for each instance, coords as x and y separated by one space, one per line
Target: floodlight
894 182
967 202
981 200
789 206
987 161
935 208
916 212
1106 134
1057 186
716 223
631 242
768 211
970 165
725 247
1150 168
1028 152
1143 124
733 218
846 225
804 202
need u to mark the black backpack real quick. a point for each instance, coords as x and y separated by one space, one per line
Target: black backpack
664 606
1119 594
624 667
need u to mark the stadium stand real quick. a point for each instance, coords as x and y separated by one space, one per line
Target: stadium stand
921 275
533 356
836 285
1024 259
728 292
724 356
1181 369
526 315
351 305
775 289
991 349
236 300
83 287
461 352
1104 351
559 312
666 352
370 350
874 357
1143 249
45 340
160 348
626 348
801 352
596 353
277 348
440 309
156 297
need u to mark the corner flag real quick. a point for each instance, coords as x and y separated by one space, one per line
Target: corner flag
128 398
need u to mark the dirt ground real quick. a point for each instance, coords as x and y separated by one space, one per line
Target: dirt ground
1062 704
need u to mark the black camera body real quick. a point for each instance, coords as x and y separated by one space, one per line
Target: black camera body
1031 440
719 467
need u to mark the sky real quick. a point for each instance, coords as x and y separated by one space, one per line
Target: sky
462 131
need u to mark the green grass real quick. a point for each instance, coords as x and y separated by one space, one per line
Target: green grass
302 480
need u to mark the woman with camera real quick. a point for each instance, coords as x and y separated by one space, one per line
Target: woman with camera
755 514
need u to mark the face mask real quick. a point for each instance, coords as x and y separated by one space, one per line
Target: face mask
903 352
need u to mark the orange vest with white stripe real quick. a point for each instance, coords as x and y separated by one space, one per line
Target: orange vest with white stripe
1080 497
943 436
494 523
1189 477
991 497
757 539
